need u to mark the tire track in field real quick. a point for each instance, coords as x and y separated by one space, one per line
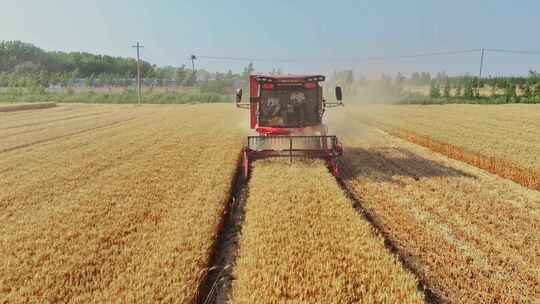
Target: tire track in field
27 106
77 145
114 123
48 127
18 114
91 175
53 120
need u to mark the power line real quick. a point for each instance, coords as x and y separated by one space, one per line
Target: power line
514 51
433 54
483 53
335 59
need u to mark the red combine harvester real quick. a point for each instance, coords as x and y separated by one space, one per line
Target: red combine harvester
287 113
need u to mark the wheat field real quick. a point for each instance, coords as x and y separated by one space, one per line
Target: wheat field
502 139
470 236
112 204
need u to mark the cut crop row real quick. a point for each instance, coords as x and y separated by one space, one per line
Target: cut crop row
471 236
500 139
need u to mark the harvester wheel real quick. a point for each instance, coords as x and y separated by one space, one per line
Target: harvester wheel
333 166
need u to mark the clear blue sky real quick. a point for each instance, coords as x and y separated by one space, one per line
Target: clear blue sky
171 30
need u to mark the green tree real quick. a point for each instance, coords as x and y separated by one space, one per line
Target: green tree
4 79
89 82
101 80
180 74
446 89
425 78
510 91
468 90
43 78
19 56
493 90
434 91
526 89
536 90
459 88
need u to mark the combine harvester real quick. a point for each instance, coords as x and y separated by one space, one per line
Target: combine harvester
287 113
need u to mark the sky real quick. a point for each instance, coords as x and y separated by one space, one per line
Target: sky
319 35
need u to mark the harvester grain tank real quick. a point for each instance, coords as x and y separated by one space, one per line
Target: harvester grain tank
287 112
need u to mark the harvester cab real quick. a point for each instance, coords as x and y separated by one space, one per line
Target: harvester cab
287 112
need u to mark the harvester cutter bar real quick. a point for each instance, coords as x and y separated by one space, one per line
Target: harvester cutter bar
326 147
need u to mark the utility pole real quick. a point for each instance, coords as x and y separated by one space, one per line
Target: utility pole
138 46
480 72
193 58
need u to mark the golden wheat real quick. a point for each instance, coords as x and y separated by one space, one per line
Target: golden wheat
127 213
302 242
501 139
472 237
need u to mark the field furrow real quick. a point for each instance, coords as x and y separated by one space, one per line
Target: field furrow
8 122
8 118
62 131
72 149
32 126
302 241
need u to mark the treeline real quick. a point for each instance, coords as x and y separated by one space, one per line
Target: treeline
20 57
28 73
23 65
459 89
28 70
441 78
425 88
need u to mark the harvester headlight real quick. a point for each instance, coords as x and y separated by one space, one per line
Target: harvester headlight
264 79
